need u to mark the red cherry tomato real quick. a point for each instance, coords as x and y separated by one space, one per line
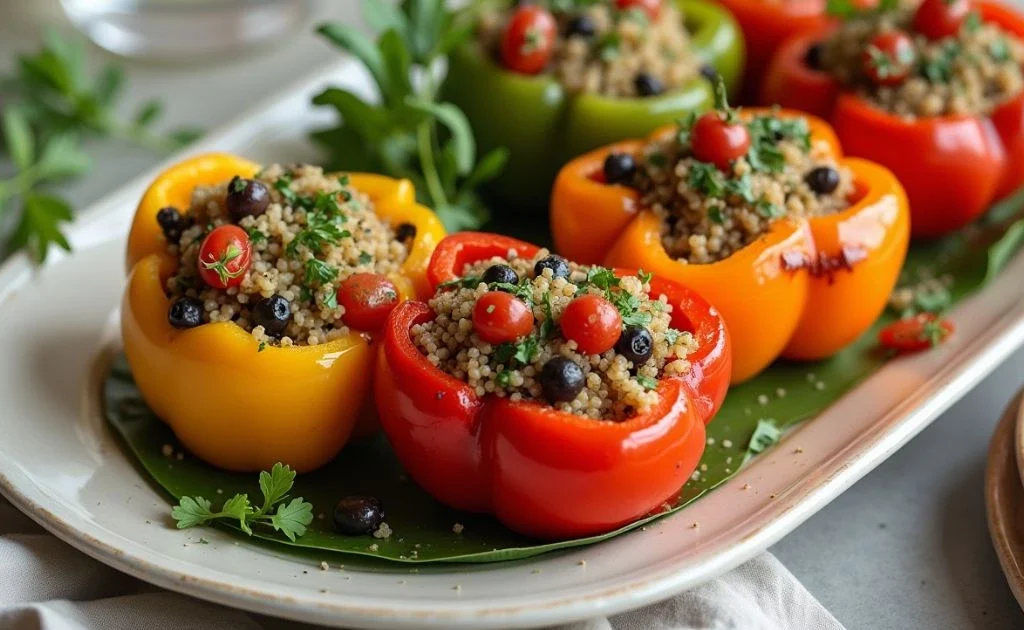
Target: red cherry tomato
367 298
889 58
936 19
500 317
593 323
651 7
714 140
224 257
528 40
916 333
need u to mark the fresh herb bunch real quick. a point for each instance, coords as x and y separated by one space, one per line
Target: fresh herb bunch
846 9
49 104
291 518
408 132
58 96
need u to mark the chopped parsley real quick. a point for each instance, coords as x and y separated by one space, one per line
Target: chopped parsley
999 49
365 258
972 22
330 300
318 272
716 216
625 302
768 209
672 336
647 382
940 68
464 282
320 232
255 236
740 187
262 346
504 378
765 134
706 179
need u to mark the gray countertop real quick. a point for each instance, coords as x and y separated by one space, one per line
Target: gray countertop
906 547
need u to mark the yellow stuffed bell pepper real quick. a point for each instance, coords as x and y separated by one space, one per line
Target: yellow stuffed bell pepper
232 403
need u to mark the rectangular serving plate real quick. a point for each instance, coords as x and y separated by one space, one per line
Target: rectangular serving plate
769 498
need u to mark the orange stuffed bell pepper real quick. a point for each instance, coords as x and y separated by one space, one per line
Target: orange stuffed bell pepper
545 470
803 288
953 165
236 401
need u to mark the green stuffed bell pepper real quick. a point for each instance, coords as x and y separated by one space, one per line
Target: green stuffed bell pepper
543 124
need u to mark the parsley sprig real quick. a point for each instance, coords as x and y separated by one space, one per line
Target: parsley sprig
50 103
290 518
410 132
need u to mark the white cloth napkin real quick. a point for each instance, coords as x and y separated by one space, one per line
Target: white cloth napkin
47 585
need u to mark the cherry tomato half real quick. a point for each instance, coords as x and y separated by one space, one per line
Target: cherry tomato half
528 40
500 317
651 7
936 19
593 323
367 298
916 333
224 257
889 58
715 140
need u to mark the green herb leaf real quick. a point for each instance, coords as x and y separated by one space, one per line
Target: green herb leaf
766 434
18 136
293 518
149 113
275 485
349 39
457 123
40 225
647 382
706 179
318 272
1003 251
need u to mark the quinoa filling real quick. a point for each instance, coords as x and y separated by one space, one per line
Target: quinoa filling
889 61
307 232
710 211
603 49
609 374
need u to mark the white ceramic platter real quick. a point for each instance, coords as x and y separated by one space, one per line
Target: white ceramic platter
62 466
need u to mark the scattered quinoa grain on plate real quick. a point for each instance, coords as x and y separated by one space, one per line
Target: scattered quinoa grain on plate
285 255
541 328
721 180
934 58
620 48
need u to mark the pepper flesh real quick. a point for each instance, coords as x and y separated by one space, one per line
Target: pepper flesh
542 126
544 472
231 404
803 290
953 167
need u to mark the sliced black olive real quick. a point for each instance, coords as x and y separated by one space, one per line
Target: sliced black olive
172 222
636 344
581 26
647 85
822 180
708 72
619 168
185 312
561 379
273 313
246 198
500 273
356 515
558 266
405 232
812 58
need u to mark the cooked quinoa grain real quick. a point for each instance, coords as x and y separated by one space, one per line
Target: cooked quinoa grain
970 72
707 213
612 388
313 232
605 50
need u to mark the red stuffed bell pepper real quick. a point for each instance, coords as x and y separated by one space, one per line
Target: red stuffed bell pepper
542 471
953 166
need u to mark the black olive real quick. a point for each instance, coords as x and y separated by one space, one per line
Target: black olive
500 273
185 312
582 26
558 266
636 344
405 232
562 379
708 72
812 58
172 222
273 313
822 180
619 168
356 515
246 198
647 85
